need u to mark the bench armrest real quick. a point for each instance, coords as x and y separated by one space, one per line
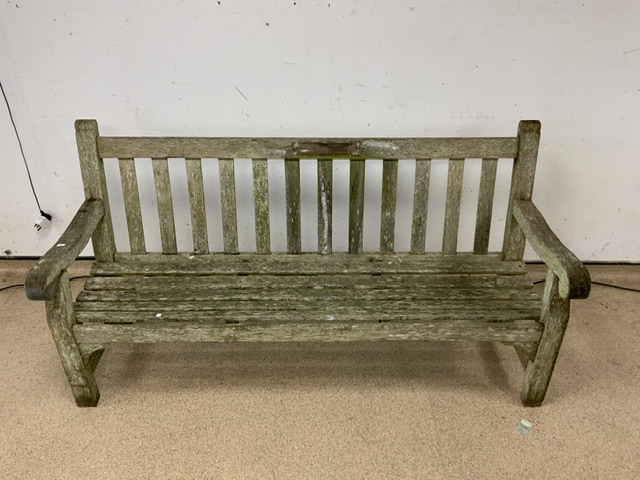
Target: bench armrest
44 275
575 281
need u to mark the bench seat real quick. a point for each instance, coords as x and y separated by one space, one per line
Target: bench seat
284 297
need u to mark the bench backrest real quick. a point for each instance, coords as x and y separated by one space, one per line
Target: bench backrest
93 149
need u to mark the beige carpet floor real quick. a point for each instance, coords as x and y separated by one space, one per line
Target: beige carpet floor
348 411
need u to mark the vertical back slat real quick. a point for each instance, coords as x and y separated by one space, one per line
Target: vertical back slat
228 204
95 186
292 187
356 205
420 205
196 204
165 205
388 210
129 181
485 205
452 208
524 167
261 205
325 206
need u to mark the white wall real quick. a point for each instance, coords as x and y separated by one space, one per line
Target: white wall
332 68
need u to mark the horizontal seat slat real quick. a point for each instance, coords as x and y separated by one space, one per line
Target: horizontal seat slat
528 331
240 147
206 293
297 309
294 282
306 264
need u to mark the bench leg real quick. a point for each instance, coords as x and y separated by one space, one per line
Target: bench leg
555 315
61 318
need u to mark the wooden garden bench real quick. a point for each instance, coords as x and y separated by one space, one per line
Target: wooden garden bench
200 295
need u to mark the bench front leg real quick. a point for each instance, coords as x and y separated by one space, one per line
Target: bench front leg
555 316
61 318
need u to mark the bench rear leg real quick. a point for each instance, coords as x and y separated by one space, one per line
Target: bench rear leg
61 318
555 316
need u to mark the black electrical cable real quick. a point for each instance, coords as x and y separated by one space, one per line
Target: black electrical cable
24 158
7 287
619 287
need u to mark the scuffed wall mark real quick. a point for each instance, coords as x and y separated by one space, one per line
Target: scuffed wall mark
631 51
8 252
243 95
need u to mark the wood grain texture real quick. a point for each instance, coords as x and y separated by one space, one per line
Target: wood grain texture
420 205
133 213
239 299
296 332
574 278
388 209
292 191
201 147
523 175
555 316
284 264
362 282
44 275
164 201
197 206
61 319
356 205
261 205
452 208
228 203
95 186
485 205
325 206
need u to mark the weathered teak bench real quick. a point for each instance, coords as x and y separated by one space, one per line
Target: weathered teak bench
229 296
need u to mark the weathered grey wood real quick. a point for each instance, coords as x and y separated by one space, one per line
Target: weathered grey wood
325 206
91 355
195 147
226 297
526 353
61 318
43 276
575 281
524 169
459 308
282 264
228 202
485 205
357 282
452 208
356 205
331 332
132 209
420 205
388 209
95 187
165 205
261 205
292 187
197 206
555 315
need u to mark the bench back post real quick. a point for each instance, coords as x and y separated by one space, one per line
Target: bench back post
524 168
95 187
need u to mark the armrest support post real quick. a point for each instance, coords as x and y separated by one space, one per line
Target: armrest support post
44 275
574 278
